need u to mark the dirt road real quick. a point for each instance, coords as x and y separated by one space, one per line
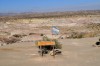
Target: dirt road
75 52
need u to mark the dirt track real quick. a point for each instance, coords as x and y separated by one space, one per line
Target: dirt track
75 52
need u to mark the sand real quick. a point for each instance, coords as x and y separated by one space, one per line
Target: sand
75 52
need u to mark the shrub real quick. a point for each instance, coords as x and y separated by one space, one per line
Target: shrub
31 33
11 40
45 38
42 34
57 44
19 35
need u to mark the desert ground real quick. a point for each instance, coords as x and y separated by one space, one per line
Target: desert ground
78 35
75 52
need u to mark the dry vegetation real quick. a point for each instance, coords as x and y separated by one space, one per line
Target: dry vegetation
79 24
20 28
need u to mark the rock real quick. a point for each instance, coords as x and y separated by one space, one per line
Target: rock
1 43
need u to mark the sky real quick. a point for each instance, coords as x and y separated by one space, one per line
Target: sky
47 5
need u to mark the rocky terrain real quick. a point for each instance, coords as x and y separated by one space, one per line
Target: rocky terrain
70 27
79 31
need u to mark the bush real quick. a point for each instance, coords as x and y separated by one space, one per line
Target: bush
81 34
31 33
57 44
76 35
19 35
45 38
11 40
42 34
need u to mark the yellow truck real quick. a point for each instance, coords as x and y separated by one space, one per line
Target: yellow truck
46 47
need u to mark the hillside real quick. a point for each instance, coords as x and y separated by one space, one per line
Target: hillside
80 24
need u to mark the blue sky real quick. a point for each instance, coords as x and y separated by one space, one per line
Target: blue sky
47 5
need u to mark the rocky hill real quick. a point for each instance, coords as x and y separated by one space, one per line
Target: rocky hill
80 24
